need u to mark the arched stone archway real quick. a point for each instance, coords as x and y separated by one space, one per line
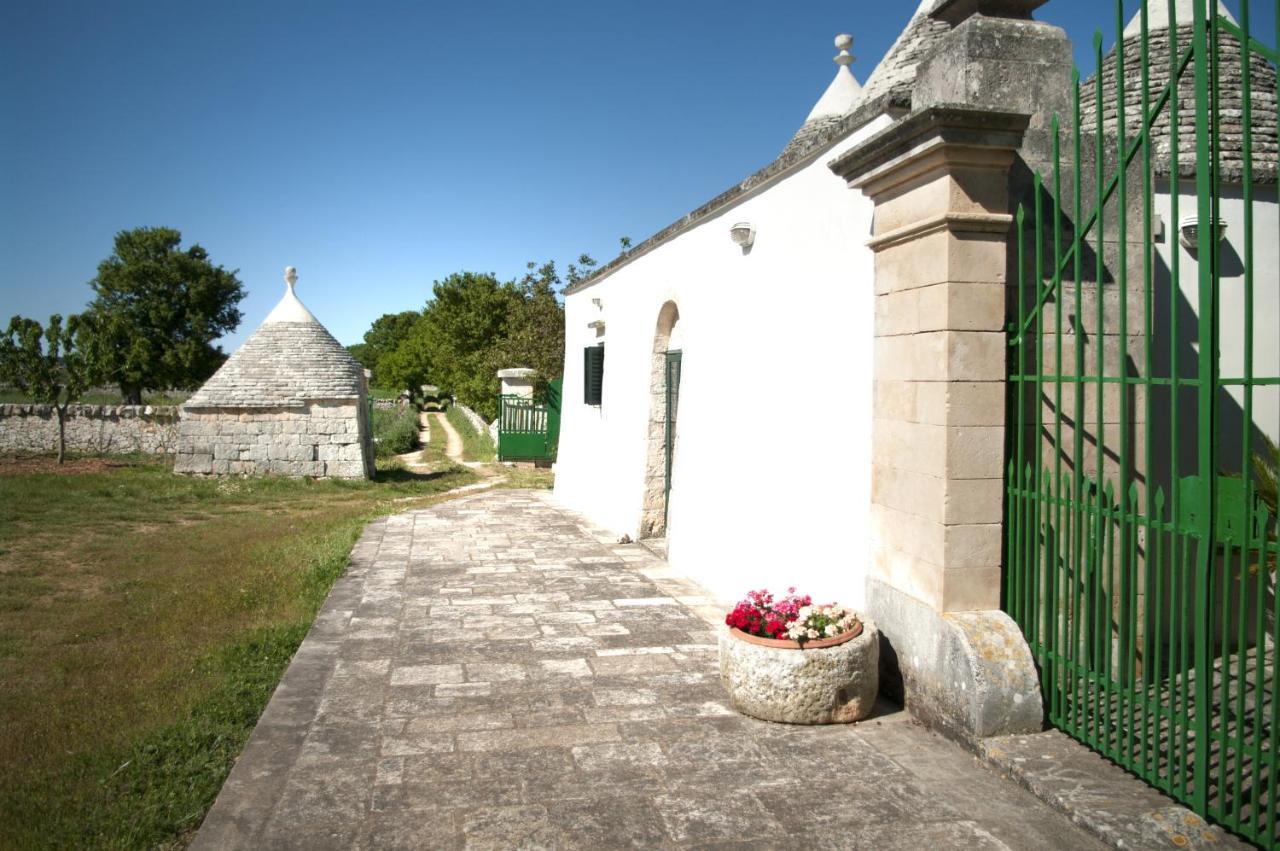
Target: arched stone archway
661 445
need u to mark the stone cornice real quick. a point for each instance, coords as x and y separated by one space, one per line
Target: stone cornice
954 222
972 136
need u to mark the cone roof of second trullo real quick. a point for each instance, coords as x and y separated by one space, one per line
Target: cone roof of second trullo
290 360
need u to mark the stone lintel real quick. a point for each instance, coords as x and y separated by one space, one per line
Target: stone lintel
929 138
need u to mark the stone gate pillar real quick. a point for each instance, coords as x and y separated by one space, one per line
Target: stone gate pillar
945 180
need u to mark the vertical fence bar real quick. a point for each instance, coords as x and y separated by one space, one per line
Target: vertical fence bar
1122 370
1037 440
1099 437
1246 93
1204 411
1148 247
1055 700
1077 449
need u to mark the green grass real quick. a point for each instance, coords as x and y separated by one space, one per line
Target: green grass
433 453
475 446
145 619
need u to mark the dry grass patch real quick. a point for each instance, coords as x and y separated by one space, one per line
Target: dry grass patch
144 621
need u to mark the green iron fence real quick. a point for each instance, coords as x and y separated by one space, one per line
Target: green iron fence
1144 402
528 429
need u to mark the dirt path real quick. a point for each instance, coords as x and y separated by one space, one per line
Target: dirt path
413 460
453 441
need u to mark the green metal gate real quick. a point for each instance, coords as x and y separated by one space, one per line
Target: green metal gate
1141 528
528 429
673 362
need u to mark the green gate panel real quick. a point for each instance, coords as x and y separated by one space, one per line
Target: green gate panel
1141 546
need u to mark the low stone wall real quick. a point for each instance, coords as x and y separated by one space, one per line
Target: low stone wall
477 422
318 439
94 429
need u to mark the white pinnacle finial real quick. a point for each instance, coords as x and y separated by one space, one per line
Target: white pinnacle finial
290 276
844 41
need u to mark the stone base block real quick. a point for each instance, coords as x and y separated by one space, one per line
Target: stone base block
970 675
830 685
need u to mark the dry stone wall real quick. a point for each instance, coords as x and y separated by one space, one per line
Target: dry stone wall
316 439
95 429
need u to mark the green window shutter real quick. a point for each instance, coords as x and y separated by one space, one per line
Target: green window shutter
593 374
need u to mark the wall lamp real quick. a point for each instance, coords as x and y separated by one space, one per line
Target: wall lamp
743 235
1189 232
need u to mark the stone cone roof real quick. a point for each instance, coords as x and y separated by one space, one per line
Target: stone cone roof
1231 100
895 76
290 360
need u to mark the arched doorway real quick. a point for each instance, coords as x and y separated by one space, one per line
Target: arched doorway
664 398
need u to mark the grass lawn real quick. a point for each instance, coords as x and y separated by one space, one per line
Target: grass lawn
145 619
475 446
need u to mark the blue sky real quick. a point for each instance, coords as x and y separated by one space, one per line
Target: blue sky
379 146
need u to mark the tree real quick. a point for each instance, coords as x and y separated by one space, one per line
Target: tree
408 365
475 325
51 364
158 311
387 332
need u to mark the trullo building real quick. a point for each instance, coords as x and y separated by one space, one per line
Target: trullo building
291 401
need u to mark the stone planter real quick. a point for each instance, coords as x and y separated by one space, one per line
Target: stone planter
779 681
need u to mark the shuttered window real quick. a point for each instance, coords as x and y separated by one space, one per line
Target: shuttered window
592 374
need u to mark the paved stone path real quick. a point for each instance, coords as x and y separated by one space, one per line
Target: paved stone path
495 673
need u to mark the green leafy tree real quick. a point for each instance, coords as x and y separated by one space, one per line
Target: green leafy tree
473 326
387 332
408 365
50 364
158 309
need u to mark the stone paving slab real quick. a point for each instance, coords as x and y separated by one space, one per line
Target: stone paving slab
1101 796
494 672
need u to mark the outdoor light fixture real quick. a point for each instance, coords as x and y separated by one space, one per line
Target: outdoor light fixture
743 235
1189 232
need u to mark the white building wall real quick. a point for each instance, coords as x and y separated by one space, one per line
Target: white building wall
772 471
1231 292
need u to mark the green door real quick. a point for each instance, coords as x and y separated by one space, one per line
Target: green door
669 430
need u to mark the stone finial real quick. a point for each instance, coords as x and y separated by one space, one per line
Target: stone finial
290 276
844 41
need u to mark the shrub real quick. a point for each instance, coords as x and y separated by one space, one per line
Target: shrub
395 430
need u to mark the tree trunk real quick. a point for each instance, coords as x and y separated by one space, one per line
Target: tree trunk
62 431
130 395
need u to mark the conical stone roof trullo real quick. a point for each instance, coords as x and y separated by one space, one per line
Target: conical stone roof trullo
290 402
289 360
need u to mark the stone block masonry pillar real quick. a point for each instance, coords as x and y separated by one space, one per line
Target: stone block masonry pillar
945 181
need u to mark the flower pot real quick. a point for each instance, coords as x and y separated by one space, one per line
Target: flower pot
828 681
788 644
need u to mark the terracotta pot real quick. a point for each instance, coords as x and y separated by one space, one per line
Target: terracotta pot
788 644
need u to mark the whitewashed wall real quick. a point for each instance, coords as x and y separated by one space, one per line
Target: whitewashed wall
1231 293
772 472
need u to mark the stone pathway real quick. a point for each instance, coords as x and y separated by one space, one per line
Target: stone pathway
495 673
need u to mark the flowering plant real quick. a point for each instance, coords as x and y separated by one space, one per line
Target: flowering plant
793 617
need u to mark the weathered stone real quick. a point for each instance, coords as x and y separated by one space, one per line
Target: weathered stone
98 429
815 686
